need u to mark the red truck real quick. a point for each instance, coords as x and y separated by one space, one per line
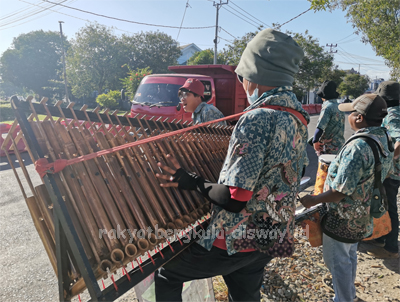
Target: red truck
157 94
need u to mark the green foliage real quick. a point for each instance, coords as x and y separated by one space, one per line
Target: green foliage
132 81
6 112
205 57
98 57
94 60
155 50
33 60
8 89
336 75
109 100
315 64
379 23
231 55
353 85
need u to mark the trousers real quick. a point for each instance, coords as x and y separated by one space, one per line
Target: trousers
242 272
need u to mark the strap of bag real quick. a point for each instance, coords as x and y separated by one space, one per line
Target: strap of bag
378 173
373 144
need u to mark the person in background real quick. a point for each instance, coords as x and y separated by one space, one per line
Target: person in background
254 201
348 192
191 95
329 134
390 92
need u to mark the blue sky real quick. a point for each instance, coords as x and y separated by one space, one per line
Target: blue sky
23 16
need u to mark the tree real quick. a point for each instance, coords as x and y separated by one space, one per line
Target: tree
231 55
132 81
155 50
353 85
94 60
336 75
205 57
315 64
379 23
33 61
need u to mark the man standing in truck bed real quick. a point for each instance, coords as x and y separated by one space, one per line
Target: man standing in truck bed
254 200
191 95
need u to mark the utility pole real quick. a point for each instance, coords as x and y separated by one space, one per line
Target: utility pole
218 6
63 57
331 48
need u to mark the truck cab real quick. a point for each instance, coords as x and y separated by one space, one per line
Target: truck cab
157 94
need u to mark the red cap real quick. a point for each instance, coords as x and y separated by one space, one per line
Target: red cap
194 85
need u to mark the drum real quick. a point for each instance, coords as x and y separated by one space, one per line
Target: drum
324 162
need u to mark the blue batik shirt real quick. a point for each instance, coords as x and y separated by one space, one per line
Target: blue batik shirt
352 173
331 121
266 155
392 124
205 113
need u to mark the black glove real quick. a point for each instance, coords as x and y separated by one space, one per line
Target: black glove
185 180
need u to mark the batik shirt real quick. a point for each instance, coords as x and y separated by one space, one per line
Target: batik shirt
205 113
392 124
352 173
266 155
331 121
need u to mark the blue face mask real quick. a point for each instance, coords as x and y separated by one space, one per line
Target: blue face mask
254 97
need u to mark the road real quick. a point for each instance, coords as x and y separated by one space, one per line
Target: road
26 272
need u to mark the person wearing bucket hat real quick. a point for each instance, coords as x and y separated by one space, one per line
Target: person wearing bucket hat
257 186
191 95
390 92
329 133
348 192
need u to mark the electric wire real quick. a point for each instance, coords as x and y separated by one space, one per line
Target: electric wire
240 17
240 13
250 14
128 21
28 14
294 18
184 13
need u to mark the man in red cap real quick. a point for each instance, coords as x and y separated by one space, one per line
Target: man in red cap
191 95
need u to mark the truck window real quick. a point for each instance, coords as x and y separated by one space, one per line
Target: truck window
207 90
163 94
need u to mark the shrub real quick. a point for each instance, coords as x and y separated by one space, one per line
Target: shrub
109 100
132 81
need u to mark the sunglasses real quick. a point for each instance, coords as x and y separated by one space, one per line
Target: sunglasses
183 94
240 78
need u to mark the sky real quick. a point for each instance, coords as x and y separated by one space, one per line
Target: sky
236 18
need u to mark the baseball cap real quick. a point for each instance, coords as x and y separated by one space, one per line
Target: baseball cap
372 106
195 86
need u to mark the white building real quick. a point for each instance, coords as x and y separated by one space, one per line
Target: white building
187 51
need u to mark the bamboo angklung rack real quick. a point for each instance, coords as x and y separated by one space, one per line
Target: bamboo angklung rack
78 210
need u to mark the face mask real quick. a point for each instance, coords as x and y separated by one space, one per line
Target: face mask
252 98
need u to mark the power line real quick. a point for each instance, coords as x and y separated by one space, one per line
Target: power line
32 12
294 18
344 38
58 12
242 14
128 21
228 33
250 14
225 39
184 13
240 17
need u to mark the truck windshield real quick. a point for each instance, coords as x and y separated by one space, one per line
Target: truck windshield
160 94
